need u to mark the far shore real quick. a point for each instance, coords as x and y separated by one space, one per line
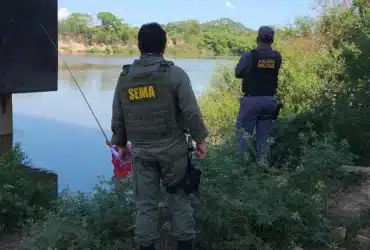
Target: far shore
73 48
172 55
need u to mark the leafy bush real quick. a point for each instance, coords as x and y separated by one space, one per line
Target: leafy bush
220 103
243 205
347 95
22 199
246 205
102 220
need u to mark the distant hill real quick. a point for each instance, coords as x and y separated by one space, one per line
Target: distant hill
227 22
195 26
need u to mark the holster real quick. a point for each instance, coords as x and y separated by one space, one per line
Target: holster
279 106
274 115
191 180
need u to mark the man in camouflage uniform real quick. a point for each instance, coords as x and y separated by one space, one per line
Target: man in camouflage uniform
259 69
153 105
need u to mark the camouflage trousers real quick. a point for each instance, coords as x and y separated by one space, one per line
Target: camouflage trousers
169 167
255 113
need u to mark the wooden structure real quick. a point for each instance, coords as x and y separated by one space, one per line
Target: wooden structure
6 122
28 58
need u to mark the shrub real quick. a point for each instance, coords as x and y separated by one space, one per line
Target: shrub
22 199
245 205
102 220
347 33
220 103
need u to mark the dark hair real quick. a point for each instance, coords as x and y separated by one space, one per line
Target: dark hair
266 39
152 38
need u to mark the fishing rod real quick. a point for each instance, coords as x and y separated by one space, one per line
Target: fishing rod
118 163
78 86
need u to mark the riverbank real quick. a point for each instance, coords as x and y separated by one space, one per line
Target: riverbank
76 48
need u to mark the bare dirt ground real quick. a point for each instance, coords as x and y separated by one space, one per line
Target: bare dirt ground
11 242
347 211
350 203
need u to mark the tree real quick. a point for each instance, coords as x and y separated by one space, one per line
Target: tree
304 26
110 21
75 23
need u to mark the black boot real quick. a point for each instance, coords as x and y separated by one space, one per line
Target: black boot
150 247
185 245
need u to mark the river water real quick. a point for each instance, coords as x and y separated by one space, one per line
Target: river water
57 130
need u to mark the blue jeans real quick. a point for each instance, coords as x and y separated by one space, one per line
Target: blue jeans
255 112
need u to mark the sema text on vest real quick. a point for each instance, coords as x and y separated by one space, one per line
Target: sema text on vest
141 93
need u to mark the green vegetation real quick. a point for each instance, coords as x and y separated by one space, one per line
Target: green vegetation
324 80
189 38
244 204
22 200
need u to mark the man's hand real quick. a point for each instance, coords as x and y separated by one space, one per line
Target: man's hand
201 150
123 152
244 64
108 143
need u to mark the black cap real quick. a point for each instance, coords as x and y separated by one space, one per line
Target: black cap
266 33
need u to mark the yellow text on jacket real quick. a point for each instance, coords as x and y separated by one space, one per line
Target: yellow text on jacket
141 93
266 64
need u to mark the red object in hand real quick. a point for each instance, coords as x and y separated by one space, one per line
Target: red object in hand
122 166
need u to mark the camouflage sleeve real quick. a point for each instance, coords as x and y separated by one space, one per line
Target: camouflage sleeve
119 135
189 106
243 65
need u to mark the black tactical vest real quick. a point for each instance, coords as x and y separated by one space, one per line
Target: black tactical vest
262 78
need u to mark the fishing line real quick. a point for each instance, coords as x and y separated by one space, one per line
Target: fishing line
78 86
114 152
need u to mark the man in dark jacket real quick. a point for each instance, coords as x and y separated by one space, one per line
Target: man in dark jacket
259 69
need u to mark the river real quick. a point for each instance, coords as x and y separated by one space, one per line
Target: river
57 131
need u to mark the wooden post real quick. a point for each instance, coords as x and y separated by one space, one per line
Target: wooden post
6 123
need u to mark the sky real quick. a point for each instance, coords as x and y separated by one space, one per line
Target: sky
252 13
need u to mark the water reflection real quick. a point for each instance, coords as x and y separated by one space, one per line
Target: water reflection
63 66
80 76
77 154
91 80
108 80
57 129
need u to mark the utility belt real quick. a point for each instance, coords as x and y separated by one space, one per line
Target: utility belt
274 115
251 95
270 115
191 180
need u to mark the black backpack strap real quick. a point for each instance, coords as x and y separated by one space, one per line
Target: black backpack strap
255 55
125 69
165 65
278 59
